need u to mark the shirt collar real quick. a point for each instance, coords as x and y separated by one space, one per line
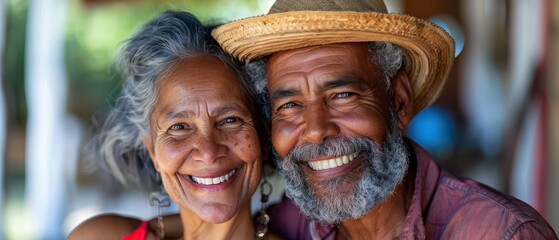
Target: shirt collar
426 178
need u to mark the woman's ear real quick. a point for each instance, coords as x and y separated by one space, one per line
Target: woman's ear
148 142
403 98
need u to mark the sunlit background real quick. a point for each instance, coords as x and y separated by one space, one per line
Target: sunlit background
495 121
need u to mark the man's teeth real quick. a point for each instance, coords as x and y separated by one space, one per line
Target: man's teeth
332 163
215 180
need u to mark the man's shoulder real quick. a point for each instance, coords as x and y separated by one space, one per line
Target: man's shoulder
468 194
287 221
467 206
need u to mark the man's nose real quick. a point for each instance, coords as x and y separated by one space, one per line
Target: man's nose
318 123
208 147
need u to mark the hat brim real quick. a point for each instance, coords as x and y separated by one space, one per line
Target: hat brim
429 48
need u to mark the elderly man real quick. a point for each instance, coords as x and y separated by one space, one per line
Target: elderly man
344 79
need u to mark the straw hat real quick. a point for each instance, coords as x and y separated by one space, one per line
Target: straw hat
292 24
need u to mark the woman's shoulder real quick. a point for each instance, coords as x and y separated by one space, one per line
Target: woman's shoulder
105 226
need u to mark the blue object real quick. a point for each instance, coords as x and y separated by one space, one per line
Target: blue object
434 128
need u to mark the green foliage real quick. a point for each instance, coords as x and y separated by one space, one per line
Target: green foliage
94 34
16 20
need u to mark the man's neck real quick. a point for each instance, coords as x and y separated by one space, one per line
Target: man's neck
238 227
386 220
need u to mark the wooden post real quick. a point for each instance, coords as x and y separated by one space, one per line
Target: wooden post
3 109
553 88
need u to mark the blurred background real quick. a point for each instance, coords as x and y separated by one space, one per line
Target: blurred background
494 120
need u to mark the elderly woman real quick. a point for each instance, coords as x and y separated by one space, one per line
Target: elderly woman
185 119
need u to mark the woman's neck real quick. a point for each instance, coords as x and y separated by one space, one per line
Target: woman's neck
239 227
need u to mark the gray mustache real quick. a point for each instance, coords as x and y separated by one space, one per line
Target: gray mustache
330 148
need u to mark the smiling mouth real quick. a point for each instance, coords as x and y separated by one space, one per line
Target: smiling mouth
215 180
332 162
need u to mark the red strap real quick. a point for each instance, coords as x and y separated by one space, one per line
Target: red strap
140 233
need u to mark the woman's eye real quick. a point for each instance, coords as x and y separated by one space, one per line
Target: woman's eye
230 120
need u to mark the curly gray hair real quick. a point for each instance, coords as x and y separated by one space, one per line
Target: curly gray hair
388 57
145 59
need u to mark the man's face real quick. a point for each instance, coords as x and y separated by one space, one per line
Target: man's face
331 116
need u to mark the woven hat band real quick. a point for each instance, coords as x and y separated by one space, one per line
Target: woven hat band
329 5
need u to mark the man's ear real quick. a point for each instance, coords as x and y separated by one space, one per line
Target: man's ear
148 142
403 98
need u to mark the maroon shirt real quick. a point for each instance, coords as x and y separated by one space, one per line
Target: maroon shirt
442 207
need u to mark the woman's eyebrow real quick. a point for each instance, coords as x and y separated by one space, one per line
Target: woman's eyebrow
177 114
219 110
225 108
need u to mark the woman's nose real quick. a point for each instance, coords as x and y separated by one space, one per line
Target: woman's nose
208 148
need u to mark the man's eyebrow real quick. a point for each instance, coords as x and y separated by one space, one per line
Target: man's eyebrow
281 93
342 82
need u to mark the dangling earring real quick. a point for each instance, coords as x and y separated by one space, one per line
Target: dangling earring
159 199
262 219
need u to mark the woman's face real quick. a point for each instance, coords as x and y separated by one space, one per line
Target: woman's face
204 141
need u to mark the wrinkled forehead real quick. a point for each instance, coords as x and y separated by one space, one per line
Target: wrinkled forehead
320 62
199 78
298 55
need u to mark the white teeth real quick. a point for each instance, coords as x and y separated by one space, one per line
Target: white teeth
332 163
211 181
339 161
345 159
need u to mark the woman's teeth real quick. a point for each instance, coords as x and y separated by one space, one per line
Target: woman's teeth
332 163
215 180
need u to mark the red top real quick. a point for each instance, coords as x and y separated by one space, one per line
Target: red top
140 233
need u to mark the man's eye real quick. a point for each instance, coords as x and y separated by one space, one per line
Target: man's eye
178 127
288 105
343 95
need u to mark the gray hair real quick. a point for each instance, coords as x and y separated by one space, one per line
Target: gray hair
145 59
388 57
